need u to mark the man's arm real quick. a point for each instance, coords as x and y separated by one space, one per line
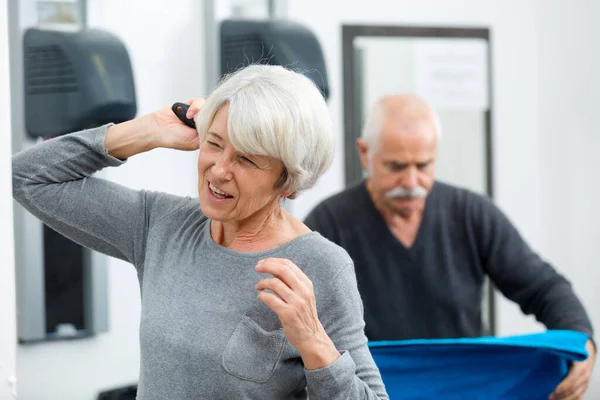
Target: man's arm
522 276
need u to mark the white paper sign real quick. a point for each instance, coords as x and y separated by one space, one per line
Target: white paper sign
452 73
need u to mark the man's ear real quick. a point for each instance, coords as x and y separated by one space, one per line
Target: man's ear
363 151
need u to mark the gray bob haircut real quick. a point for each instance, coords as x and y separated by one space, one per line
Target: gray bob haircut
278 113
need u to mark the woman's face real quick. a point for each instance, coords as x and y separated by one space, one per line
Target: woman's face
234 186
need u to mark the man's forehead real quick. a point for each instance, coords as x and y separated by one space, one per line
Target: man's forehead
412 136
407 147
401 125
402 159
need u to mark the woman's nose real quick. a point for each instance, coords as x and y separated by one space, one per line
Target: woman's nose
222 169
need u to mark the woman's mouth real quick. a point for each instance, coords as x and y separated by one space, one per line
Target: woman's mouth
218 193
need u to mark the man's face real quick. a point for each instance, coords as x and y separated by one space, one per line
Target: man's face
401 169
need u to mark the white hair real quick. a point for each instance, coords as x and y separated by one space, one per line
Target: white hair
375 120
278 113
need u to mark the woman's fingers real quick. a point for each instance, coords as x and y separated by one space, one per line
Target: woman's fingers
298 272
278 287
195 105
273 302
282 270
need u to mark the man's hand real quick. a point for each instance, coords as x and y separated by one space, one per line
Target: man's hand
576 383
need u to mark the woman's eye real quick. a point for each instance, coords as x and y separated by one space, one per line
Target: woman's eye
213 144
247 160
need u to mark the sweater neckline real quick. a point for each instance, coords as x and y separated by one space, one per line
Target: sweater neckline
255 254
374 216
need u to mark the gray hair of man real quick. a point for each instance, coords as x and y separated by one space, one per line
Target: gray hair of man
411 105
279 113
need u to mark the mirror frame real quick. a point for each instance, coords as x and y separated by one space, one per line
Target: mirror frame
353 110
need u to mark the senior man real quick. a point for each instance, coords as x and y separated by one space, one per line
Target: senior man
422 248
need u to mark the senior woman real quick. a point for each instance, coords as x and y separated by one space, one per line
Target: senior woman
240 300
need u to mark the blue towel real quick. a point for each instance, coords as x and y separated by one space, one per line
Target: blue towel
525 367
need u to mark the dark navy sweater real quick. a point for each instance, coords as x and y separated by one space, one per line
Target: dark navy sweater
434 288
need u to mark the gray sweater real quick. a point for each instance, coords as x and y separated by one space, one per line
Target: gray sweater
203 332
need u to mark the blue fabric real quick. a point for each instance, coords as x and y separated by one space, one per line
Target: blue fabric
514 367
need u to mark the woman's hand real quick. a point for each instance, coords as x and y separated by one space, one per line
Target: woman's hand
171 133
161 128
293 300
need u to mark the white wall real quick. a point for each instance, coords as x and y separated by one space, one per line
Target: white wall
515 99
165 43
8 336
569 83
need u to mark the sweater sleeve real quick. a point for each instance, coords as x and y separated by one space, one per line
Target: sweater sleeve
522 276
354 375
53 180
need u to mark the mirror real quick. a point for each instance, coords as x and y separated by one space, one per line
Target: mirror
449 68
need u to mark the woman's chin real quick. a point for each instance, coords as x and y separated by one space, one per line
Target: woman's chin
212 214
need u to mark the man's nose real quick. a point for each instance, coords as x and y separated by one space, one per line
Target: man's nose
410 179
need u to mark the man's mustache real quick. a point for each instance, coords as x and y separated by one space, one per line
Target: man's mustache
400 192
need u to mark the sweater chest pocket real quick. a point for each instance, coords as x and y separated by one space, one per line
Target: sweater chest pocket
252 353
